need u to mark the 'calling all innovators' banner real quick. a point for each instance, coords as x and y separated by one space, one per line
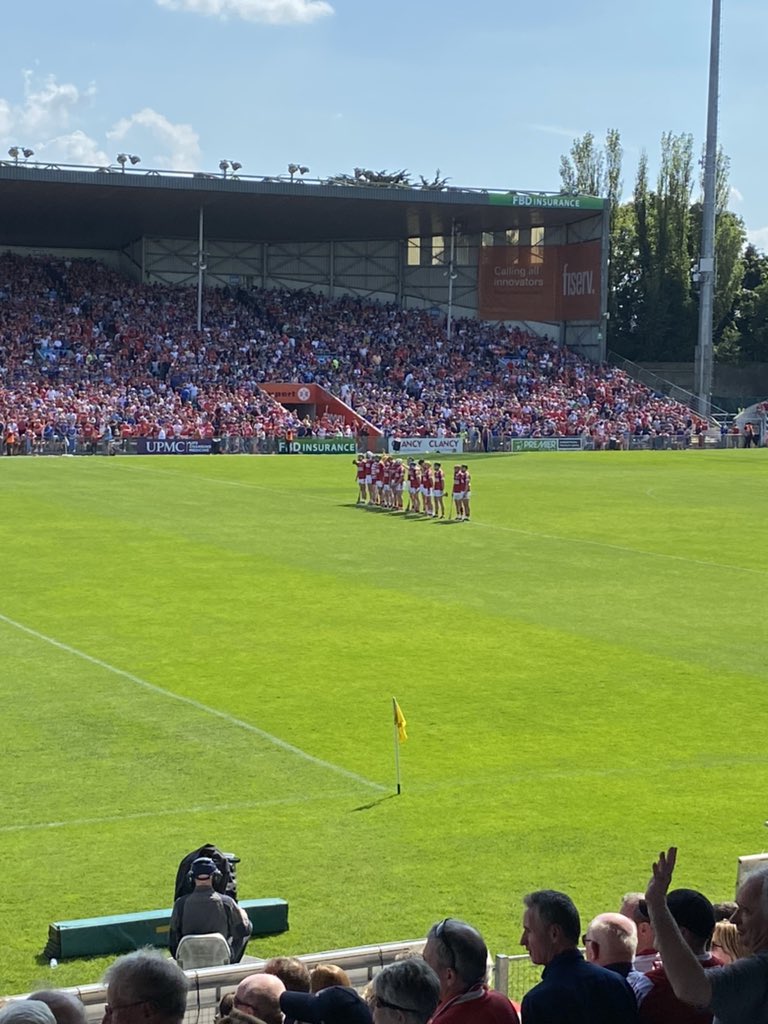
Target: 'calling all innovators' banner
548 283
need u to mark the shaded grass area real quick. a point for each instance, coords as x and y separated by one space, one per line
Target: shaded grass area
583 671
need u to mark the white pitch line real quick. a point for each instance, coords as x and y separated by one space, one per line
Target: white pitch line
196 704
115 819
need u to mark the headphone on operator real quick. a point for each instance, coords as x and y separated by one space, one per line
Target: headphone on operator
210 868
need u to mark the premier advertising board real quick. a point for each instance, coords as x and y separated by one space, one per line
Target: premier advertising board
426 445
546 444
318 446
173 446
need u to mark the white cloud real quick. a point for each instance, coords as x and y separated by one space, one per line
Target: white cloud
48 106
759 237
147 129
6 118
73 148
43 119
735 195
272 12
556 129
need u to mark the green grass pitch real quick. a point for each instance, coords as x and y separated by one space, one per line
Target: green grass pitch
205 649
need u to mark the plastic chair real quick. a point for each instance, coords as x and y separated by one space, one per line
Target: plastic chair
211 950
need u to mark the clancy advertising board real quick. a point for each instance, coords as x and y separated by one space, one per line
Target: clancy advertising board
318 446
427 445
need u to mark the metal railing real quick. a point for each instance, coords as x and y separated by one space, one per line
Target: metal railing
493 443
664 387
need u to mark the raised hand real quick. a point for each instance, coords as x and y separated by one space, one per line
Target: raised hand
656 893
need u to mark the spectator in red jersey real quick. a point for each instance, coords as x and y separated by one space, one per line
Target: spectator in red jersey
458 955
695 918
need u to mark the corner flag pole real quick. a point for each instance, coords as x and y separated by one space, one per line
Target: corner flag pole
400 736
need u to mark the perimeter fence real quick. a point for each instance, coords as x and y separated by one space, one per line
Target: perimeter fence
514 975
234 445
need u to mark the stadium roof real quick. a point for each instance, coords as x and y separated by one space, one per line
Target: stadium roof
97 208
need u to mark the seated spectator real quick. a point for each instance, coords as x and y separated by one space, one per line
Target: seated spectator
726 944
293 972
695 919
405 991
610 941
335 1005
66 1008
145 987
226 1005
324 975
258 995
571 990
724 910
204 910
26 1011
458 955
634 907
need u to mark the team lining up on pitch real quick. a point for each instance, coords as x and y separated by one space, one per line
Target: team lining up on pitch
381 482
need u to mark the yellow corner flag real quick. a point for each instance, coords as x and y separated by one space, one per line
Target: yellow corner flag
400 722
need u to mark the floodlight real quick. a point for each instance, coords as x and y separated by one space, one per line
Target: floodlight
135 159
236 166
28 153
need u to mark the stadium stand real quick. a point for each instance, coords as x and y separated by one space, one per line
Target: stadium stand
87 356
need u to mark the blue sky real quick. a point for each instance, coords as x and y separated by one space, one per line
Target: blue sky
491 93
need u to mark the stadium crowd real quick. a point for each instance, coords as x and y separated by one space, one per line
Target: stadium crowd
86 353
696 964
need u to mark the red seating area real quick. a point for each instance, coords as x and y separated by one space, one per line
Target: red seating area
84 350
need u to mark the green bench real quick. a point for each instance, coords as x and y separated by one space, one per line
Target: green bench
120 933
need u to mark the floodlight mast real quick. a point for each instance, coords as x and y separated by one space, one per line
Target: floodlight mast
706 267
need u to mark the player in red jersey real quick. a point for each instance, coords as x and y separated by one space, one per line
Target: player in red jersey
398 474
386 481
427 483
467 481
458 494
370 481
438 489
414 486
359 462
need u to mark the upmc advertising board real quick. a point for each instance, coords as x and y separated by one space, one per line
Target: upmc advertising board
174 446
548 283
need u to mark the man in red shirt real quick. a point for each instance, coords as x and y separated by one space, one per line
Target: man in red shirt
695 917
458 955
